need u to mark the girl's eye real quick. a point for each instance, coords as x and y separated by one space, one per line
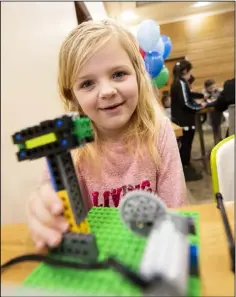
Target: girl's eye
119 74
86 84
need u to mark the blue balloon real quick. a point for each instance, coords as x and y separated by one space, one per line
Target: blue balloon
153 63
148 35
167 46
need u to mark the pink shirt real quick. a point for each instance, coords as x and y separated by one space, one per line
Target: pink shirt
121 173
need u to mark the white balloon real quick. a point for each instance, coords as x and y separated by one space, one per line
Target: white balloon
148 35
160 47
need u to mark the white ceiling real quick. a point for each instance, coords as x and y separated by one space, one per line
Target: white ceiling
164 12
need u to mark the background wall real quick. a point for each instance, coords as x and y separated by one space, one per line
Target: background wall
31 34
208 42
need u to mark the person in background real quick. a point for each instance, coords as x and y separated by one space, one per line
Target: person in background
212 93
225 99
191 81
183 109
166 99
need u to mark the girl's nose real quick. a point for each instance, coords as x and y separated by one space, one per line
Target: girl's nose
107 91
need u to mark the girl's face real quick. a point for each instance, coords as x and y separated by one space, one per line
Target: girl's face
107 90
186 75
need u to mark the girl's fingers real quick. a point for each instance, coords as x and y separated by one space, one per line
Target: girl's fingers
42 214
43 235
39 242
50 199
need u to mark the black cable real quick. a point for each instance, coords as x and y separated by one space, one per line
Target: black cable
220 206
109 263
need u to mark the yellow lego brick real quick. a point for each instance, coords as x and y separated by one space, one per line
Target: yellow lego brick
83 227
41 140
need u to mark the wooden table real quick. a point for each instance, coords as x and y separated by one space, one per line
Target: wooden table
217 279
177 129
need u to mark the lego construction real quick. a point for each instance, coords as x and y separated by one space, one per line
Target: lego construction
114 239
152 250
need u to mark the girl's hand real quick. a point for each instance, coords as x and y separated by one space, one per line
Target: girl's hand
203 104
46 223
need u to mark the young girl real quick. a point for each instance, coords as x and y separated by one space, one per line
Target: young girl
102 75
183 108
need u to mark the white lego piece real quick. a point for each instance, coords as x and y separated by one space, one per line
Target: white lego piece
167 255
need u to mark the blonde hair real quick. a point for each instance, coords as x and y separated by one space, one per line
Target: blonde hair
81 44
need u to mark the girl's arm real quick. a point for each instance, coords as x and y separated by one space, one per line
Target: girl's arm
186 98
196 95
171 186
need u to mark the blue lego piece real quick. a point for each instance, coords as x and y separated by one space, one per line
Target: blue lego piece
18 136
59 123
193 255
22 154
52 176
64 142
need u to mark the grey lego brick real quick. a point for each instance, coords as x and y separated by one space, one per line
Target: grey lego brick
55 173
183 224
79 245
70 181
161 287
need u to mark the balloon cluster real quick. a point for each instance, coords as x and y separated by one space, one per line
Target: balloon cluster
154 48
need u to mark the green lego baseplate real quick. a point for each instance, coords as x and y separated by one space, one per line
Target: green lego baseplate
113 239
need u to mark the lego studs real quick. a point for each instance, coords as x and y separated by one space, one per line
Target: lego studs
139 210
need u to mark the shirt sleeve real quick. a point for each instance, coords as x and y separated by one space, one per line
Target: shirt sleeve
196 95
171 186
185 97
